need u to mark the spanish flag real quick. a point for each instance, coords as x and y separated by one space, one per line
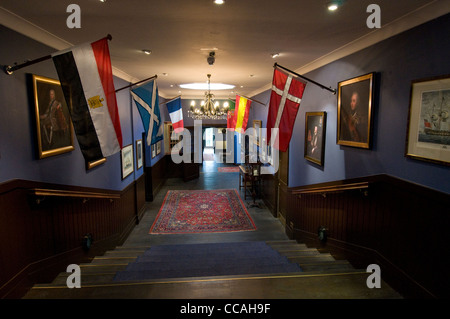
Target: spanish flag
242 109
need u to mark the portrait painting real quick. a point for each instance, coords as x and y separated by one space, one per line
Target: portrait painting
428 134
315 123
53 123
355 107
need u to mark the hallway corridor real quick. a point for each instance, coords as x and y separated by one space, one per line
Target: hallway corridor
268 227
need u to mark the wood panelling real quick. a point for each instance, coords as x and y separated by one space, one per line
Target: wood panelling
397 224
40 234
270 191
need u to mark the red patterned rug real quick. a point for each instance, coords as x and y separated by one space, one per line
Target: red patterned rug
227 169
200 211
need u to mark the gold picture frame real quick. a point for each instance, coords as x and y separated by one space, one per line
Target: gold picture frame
428 129
315 131
355 111
54 129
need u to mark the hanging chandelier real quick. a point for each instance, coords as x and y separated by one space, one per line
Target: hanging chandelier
209 107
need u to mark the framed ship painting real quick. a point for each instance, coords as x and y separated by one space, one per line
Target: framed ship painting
127 160
53 123
428 133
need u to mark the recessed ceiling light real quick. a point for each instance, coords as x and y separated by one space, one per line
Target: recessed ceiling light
333 6
204 86
219 1
274 55
147 51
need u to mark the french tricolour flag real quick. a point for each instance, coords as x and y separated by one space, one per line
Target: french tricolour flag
176 114
85 74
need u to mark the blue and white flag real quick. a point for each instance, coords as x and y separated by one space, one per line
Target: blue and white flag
147 101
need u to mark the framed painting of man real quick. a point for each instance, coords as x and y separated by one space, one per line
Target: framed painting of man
315 130
54 130
355 109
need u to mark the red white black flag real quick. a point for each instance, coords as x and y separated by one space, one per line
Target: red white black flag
85 74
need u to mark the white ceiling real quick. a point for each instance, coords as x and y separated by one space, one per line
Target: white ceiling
180 34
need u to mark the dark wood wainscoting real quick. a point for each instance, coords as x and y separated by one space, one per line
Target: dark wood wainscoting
401 226
165 168
42 227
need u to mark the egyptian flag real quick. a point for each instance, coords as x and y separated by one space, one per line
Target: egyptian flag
242 109
287 92
85 74
176 114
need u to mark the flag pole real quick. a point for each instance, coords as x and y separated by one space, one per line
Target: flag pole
176 97
133 84
303 77
253 100
10 69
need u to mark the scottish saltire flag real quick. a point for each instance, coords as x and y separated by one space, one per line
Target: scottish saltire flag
176 114
85 74
147 101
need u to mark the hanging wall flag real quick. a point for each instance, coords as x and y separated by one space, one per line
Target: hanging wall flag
230 115
147 101
176 114
85 74
242 109
287 92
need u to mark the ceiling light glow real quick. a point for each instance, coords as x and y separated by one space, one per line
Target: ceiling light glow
204 86
148 52
219 1
333 6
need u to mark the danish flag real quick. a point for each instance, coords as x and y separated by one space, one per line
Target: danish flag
287 93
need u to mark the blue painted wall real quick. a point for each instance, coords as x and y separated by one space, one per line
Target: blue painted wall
18 150
418 53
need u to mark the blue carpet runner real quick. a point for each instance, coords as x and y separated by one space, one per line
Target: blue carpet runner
198 260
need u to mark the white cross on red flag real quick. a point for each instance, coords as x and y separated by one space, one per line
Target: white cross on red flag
287 92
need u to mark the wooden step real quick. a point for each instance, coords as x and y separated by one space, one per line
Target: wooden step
342 285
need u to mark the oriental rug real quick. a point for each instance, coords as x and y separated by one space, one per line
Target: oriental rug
202 211
228 169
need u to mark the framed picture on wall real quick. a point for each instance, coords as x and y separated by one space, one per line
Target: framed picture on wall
315 137
355 108
127 160
153 149
257 126
428 132
139 152
54 129
158 147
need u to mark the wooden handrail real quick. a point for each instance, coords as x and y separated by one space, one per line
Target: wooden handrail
67 193
331 189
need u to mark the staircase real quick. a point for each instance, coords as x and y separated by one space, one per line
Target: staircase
271 270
